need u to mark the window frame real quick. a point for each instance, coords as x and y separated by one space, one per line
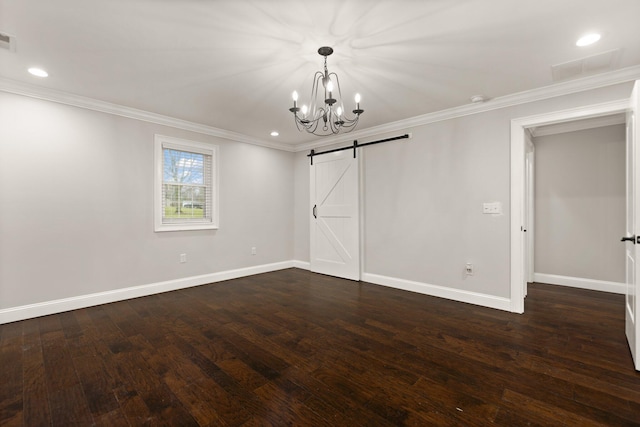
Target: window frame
160 143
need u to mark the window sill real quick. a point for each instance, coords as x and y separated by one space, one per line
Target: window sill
184 227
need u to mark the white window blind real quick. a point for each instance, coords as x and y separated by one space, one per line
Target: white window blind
185 192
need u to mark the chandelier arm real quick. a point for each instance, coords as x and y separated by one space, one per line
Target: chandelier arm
347 128
351 125
306 125
337 80
298 123
312 126
337 89
317 81
345 115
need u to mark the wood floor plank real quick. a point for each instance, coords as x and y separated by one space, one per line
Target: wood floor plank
323 399
285 408
222 389
114 418
242 373
96 386
11 368
206 402
547 414
69 406
160 401
34 393
298 348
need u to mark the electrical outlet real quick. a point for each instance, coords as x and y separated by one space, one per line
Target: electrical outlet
253 250
183 258
468 269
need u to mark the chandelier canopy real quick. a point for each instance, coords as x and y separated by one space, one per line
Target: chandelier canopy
326 114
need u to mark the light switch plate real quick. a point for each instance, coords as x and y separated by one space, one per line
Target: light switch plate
492 208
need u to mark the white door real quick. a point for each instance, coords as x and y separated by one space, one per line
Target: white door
335 218
632 326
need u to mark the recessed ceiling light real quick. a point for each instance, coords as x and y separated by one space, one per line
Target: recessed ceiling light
588 39
38 72
275 133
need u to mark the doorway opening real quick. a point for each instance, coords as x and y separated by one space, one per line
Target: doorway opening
576 204
520 128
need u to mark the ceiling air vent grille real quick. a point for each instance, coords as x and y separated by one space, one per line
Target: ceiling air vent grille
7 41
590 65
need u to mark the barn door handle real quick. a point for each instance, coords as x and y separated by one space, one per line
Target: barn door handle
631 239
315 211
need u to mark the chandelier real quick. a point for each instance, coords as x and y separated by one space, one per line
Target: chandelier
326 114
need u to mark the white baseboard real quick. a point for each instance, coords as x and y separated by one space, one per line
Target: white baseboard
303 265
440 291
579 282
29 311
45 308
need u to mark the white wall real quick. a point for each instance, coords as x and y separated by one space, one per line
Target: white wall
302 210
423 200
76 205
580 204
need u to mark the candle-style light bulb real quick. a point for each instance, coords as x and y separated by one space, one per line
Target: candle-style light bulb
339 111
304 110
357 110
330 86
294 95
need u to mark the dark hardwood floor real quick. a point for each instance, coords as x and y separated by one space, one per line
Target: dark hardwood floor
297 348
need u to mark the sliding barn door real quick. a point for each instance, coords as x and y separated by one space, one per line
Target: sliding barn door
335 217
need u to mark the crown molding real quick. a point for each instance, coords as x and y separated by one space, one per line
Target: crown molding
47 94
546 92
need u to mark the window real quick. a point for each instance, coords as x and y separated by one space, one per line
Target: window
186 193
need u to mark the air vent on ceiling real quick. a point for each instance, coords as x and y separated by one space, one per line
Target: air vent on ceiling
7 41
594 64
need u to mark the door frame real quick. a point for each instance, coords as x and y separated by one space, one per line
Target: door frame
530 210
518 251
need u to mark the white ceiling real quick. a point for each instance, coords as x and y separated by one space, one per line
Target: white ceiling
233 64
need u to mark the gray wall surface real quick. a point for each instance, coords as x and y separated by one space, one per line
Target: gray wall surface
580 204
302 208
76 205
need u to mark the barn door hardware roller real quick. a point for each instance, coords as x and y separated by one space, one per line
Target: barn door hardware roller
632 239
